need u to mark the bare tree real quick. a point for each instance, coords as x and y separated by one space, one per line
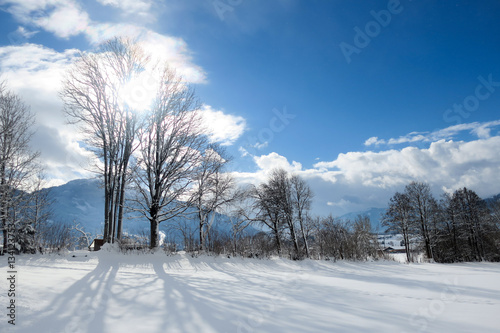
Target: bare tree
236 214
424 208
470 214
93 97
363 240
82 238
266 210
213 189
170 152
398 219
55 236
301 198
273 207
38 210
280 190
17 161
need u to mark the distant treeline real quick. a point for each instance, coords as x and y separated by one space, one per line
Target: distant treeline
459 227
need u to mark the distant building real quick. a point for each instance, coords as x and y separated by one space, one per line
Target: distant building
96 245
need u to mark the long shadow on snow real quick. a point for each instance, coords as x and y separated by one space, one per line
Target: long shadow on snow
190 308
90 295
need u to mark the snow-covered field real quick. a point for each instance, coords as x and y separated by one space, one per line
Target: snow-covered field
108 292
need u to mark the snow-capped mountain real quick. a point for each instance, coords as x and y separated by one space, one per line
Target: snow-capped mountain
82 201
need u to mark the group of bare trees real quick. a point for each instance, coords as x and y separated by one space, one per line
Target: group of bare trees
92 96
25 208
279 209
282 204
161 152
459 227
21 207
159 163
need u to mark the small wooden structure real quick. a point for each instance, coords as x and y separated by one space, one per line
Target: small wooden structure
391 250
96 245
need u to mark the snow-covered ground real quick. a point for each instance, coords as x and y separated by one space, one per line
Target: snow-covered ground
108 292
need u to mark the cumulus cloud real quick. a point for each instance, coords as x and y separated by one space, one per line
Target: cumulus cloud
360 180
65 20
223 128
448 163
34 73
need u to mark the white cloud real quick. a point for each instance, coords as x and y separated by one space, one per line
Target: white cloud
163 49
130 7
481 130
20 36
341 203
273 160
369 179
374 141
223 128
35 72
64 18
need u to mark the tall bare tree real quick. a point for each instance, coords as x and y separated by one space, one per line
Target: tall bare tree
274 207
171 149
424 208
17 161
470 213
398 219
301 198
266 211
213 189
93 97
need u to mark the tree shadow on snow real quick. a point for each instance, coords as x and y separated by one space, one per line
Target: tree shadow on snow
81 307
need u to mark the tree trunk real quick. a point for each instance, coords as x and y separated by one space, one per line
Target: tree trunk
122 200
306 246
278 241
294 238
201 219
154 241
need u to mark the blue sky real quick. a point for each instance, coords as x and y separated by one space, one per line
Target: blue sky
357 97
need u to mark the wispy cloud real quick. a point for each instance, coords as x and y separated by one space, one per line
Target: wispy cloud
131 7
480 130
62 18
